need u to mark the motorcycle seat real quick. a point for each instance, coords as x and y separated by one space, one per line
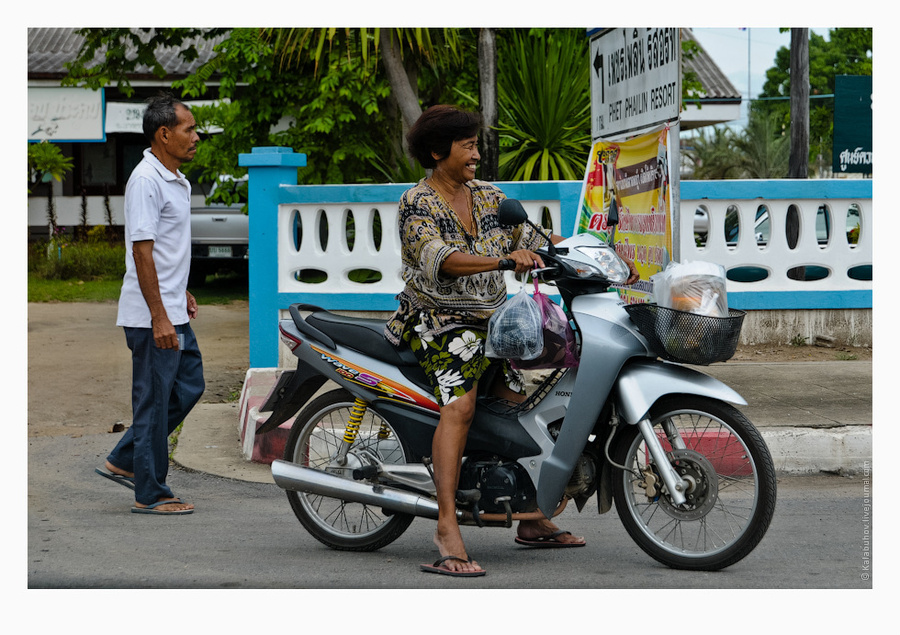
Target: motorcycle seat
364 335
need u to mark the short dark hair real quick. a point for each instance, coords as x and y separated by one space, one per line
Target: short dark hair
160 112
436 130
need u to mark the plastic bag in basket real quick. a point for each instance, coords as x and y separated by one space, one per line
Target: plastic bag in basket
515 330
559 340
694 287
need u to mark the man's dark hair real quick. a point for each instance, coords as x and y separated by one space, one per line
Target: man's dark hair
160 112
436 130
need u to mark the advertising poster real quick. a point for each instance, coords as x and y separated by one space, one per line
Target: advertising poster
632 178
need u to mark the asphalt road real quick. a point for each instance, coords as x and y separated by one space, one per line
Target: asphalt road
81 535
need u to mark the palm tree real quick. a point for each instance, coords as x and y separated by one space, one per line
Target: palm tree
713 155
764 148
543 83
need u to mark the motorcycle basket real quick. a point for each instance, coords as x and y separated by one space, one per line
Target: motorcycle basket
687 338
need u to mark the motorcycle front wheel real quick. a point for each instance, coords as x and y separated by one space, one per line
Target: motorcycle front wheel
314 442
731 485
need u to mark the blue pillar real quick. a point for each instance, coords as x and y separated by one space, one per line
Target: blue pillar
269 168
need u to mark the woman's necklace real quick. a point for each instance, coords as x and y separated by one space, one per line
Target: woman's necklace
467 221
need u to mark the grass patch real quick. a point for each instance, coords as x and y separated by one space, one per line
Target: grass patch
73 290
219 289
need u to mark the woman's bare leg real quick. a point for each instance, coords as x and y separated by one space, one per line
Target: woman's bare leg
446 455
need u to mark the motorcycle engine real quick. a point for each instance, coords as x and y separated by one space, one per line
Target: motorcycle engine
498 481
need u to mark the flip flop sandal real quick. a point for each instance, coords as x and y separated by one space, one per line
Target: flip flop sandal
439 568
548 542
127 481
151 509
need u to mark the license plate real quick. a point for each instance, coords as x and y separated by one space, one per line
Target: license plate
219 252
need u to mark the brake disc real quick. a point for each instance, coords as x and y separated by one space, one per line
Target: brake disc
702 485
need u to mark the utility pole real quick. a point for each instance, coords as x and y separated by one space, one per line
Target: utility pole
798 166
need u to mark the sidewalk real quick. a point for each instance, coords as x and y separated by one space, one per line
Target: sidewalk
814 416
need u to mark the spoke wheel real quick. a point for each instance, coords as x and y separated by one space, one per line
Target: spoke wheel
730 489
314 442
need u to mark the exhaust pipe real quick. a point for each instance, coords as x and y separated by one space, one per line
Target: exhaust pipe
293 477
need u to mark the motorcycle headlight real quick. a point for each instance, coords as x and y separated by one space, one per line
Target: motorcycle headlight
604 262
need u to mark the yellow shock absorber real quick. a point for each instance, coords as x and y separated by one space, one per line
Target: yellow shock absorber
384 432
356 415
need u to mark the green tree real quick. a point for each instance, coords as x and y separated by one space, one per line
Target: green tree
417 64
46 160
351 93
845 52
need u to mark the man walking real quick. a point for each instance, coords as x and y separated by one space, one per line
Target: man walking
155 308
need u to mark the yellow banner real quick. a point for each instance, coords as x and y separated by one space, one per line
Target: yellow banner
632 178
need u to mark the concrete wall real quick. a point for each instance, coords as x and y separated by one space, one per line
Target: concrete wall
841 327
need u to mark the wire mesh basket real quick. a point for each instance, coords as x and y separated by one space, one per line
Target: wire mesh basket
687 338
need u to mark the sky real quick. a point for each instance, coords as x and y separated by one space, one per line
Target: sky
732 47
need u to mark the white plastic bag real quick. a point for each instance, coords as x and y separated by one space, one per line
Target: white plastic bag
695 287
515 329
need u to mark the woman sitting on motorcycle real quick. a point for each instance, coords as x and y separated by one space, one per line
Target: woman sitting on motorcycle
452 246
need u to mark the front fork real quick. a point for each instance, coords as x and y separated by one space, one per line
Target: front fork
673 482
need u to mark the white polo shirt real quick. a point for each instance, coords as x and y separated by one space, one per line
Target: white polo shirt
157 208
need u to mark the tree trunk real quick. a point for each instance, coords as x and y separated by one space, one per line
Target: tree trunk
487 84
798 167
406 96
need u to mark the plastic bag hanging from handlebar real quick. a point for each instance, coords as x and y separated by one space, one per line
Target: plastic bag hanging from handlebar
559 350
515 329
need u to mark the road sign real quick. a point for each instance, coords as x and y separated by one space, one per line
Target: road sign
635 80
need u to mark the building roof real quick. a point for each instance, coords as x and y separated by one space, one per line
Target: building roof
715 84
720 101
50 48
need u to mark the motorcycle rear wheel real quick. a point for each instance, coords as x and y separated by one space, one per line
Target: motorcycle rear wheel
732 494
313 442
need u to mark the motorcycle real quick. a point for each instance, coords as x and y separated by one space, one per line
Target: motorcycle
692 479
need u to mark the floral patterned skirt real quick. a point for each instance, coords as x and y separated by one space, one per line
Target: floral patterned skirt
454 362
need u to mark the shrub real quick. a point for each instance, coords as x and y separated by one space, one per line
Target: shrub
90 260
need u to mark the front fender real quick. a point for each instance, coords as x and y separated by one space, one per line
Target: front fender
642 382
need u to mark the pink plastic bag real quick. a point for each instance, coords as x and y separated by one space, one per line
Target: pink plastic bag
560 350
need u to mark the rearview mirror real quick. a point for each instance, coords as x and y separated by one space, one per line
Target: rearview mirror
511 213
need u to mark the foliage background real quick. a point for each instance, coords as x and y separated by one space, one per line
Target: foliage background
326 93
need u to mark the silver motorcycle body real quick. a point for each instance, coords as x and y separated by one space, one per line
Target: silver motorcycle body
568 441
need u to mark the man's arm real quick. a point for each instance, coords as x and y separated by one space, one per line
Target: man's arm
163 331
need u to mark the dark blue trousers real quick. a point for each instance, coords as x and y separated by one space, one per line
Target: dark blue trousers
166 384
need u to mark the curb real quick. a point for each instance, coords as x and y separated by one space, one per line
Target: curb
209 443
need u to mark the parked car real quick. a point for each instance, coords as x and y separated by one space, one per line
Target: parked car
219 240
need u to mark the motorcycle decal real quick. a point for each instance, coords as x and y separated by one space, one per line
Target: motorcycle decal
388 388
